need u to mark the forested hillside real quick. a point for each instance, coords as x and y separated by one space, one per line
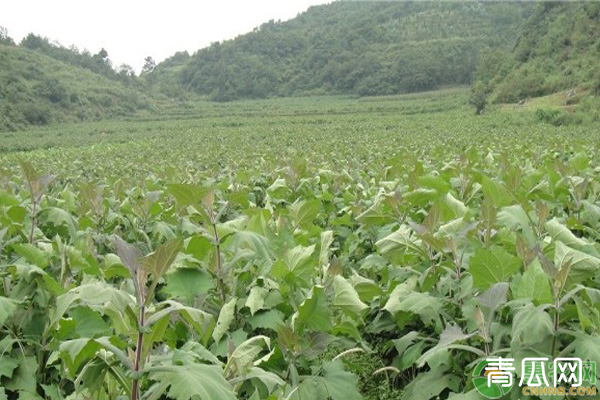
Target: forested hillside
363 48
517 50
42 83
558 49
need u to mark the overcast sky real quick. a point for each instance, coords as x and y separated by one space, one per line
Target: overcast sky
130 30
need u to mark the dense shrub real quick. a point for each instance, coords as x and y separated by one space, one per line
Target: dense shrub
555 117
37 114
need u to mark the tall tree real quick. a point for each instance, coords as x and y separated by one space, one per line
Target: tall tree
149 65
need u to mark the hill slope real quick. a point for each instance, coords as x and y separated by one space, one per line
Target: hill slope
364 48
36 89
558 49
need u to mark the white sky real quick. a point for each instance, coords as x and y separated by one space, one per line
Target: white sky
130 30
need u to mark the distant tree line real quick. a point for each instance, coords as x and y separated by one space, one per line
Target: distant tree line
362 48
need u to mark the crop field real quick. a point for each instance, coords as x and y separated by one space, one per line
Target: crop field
301 248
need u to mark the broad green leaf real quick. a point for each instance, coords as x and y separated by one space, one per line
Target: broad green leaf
37 183
455 229
59 218
515 218
496 192
591 213
580 161
531 326
225 319
187 283
204 382
98 295
197 352
163 231
296 264
326 240
297 257
335 384
376 215
434 182
430 384
495 296
314 312
32 254
270 380
78 351
7 309
200 320
89 323
254 242
162 258
130 255
23 378
304 212
367 290
561 233
187 194
340 384
456 207
244 355
491 266
405 341
278 187
309 388
8 366
587 347
28 171
582 266
399 293
421 197
452 334
402 240
346 297
256 299
199 247
534 285
272 319
426 306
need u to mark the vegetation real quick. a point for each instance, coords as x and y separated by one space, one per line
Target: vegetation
478 98
323 248
518 50
363 48
36 89
316 248
557 50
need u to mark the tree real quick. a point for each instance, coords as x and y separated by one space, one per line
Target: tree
126 70
103 54
102 57
4 38
478 98
149 64
34 42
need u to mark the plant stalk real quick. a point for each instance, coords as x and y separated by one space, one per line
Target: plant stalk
135 386
33 220
556 321
220 282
